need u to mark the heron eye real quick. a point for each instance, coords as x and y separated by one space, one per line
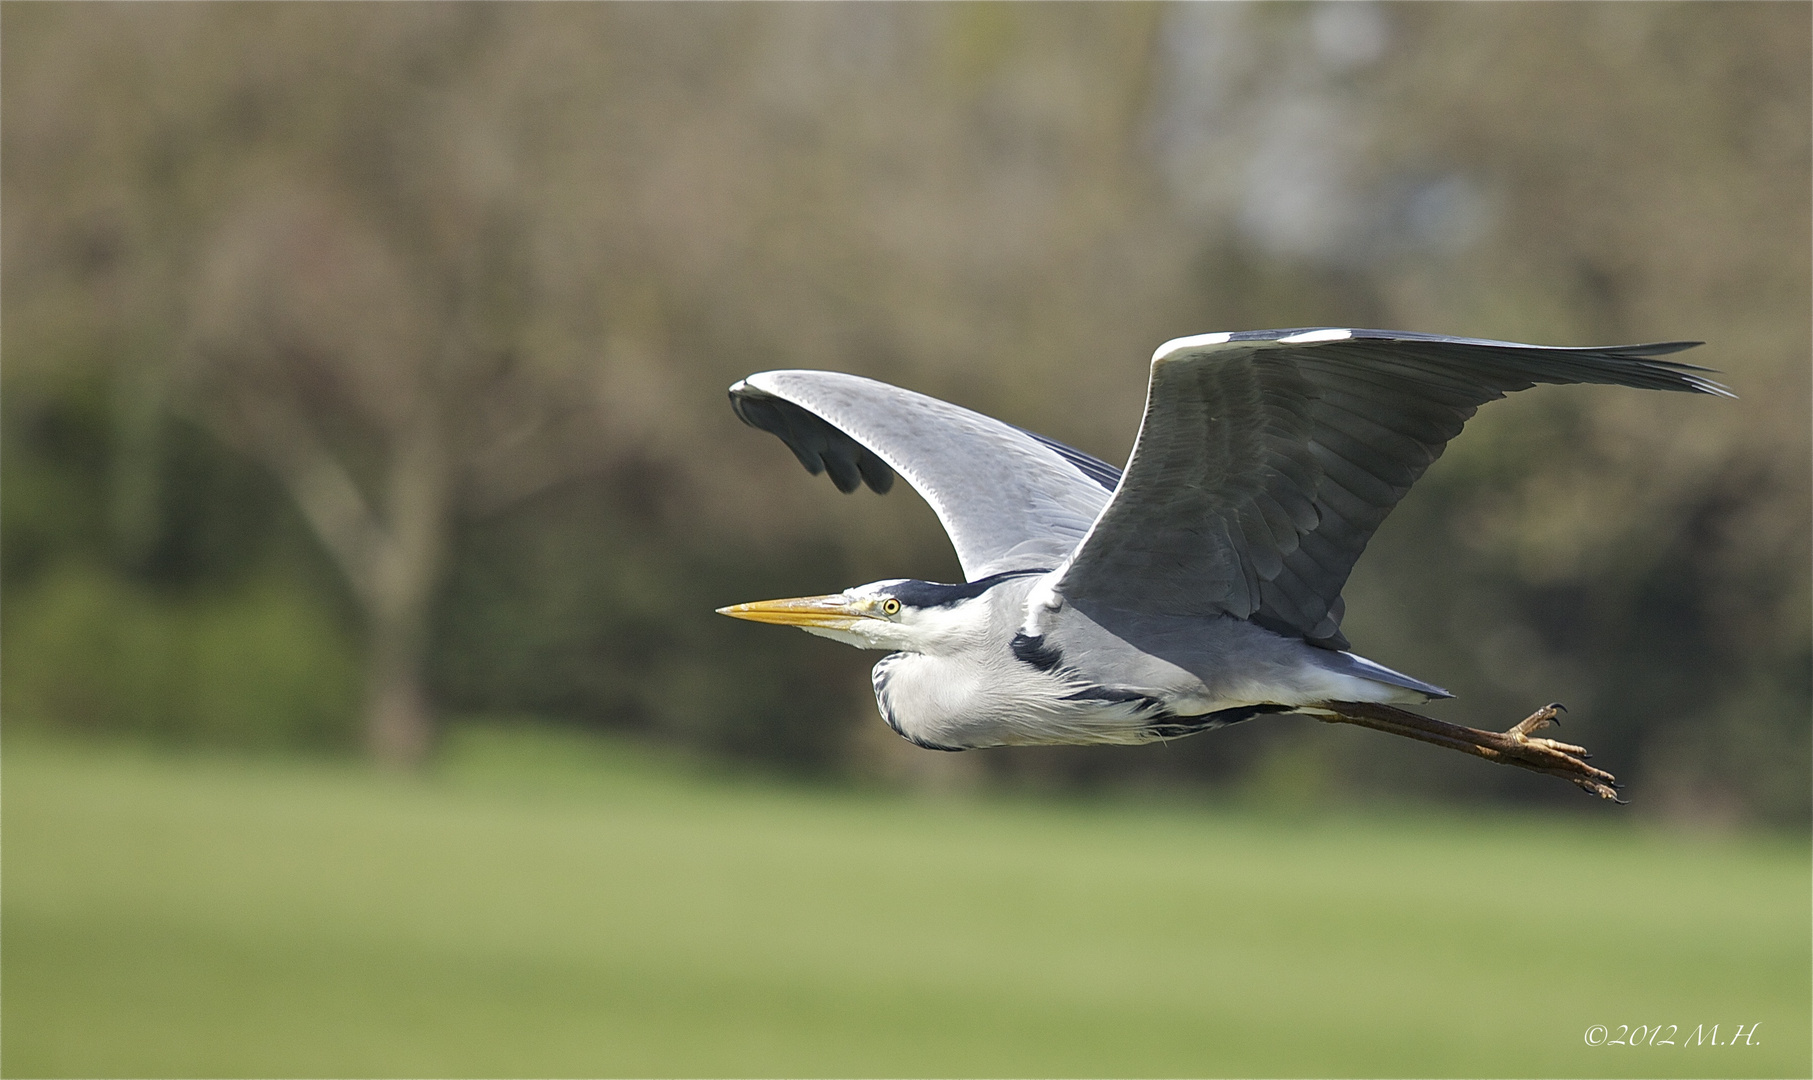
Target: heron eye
890 606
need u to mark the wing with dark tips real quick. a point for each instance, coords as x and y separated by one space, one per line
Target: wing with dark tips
1267 459
1009 499
820 447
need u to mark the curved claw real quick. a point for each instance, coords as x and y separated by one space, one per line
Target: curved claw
1536 721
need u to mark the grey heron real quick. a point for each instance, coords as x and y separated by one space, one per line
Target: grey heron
1198 587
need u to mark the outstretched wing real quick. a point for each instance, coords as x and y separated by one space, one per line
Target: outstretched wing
1267 459
1009 499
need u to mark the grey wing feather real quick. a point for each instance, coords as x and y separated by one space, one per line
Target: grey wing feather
1009 499
1267 459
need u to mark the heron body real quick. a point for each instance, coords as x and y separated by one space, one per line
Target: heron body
993 669
1199 587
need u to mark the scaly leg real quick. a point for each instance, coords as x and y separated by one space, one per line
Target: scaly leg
1512 747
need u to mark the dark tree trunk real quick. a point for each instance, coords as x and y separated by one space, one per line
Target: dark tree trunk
399 722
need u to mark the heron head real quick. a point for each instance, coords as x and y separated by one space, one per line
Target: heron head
899 613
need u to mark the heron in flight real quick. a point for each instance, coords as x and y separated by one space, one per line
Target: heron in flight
1200 586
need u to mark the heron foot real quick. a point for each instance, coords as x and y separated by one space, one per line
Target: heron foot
1514 746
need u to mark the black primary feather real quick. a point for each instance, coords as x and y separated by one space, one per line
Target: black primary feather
820 446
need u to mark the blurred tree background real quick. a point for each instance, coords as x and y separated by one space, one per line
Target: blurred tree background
364 365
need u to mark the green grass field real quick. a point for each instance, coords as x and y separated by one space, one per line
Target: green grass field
545 906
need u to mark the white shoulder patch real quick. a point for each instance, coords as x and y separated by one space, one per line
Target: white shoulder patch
1041 603
1310 336
1190 342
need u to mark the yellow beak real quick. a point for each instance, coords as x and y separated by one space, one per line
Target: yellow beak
836 612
